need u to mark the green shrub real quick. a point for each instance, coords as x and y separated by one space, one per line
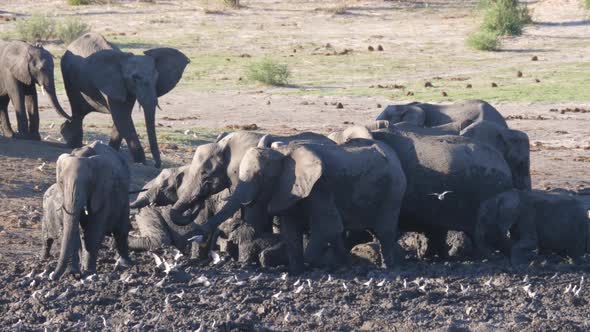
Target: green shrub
232 3
484 40
268 72
36 28
70 29
586 3
505 17
78 2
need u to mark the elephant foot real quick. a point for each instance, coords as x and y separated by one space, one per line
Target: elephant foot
8 133
20 135
33 137
124 262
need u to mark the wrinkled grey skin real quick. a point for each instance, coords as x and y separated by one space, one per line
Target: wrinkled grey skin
327 188
157 229
100 77
92 180
215 167
22 67
456 116
518 222
161 190
473 171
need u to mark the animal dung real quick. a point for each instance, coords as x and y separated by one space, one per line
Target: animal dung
428 85
468 86
339 106
494 85
519 74
444 94
380 48
534 58
371 49
409 93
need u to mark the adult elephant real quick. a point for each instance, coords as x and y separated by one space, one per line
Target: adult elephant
100 77
470 171
94 183
328 188
457 116
22 67
215 167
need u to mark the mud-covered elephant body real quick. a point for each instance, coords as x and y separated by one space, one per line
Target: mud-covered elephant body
100 77
22 67
325 188
94 183
456 116
472 171
518 222
215 167
161 190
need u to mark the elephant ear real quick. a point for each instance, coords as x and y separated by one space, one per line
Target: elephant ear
17 58
105 72
302 168
59 165
170 64
413 114
103 178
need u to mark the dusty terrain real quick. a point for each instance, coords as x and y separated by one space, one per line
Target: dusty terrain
423 41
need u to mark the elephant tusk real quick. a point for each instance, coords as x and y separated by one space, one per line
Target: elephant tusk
42 90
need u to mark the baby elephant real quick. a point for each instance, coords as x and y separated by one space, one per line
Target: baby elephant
519 222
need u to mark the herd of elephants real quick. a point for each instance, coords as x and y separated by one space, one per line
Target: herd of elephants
299 200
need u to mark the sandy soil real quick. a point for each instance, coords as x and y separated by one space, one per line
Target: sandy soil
560 143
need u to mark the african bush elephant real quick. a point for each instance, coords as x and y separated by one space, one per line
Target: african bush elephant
455 116
215 167
161 190
327 188
518 222
94 182
100 77
514 145
473 172
23 65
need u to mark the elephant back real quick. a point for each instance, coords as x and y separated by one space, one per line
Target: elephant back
90 43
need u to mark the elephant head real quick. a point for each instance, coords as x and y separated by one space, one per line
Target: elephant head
410 113
83 183
279 177
495 218
33 65
350 133
162 190
124 78
513 144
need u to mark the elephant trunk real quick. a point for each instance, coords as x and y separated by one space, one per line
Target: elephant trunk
70 243
178 210
49 86
245 194
144 199
150 119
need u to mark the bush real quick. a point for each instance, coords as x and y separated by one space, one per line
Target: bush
78 2
268 72
484 40
586 3
505 17
36 28
232 3
70 29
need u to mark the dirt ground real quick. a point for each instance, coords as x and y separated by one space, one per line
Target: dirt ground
423 41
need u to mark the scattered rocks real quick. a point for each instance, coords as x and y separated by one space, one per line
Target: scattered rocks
371 49
428 85
570 110
409 93
537 80
494 85
519 74
468 86
444 94
534 58
245 55
339 106
380 48
251 126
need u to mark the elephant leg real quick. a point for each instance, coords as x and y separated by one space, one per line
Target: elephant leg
47 244
73 131
115 141
121 113
258 218
17 97
93 237
292 234
437 243
32 106
521 251
4 120
386 232
122 244
326 227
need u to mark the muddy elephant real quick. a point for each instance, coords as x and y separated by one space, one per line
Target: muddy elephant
328 188
472 172
161 190
22 67
215 167
457 116
100 77
94 182
519 222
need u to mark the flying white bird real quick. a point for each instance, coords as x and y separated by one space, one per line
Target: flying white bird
447 289
167 300
35 293
196 238
405 283
63 295
284 276
299 289
92 277
488 283
51 125
158 260
186 132
41 167
297 282
277 295
33 283
468 310
256 277
368 283
18 324
180 295
329 278
381 283
169 268
30 275
577 291
177 254
215 256
527 288
555 276
133 290
46 138
442 195
464 289
526 278
567 288
286 319
161 282
319 313
423 288
104 322
344 285
308 283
